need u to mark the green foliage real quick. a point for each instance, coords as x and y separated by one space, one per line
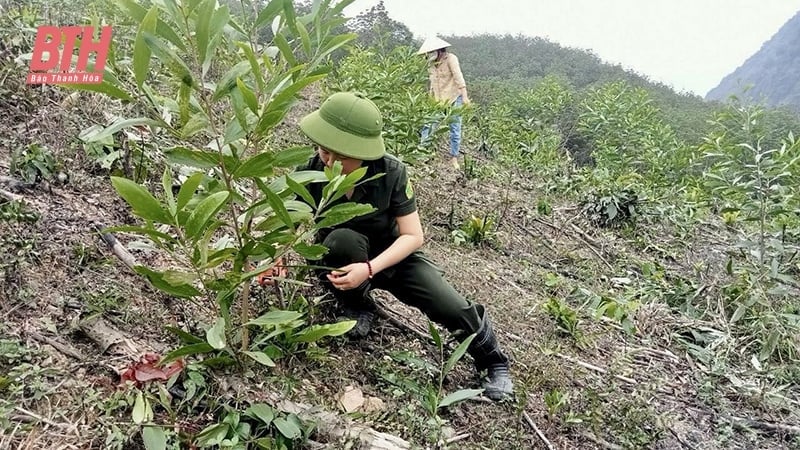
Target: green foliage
377 30
215 96
627 133
475 231
396 82
16 211
565 316
757 186
33 164
434 399
608 200
555 400
528 129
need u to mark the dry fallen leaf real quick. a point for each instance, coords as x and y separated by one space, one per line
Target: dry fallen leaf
351 399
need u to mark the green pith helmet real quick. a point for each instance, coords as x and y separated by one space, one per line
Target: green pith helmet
347 123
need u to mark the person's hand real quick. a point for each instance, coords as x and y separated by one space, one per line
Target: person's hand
350 276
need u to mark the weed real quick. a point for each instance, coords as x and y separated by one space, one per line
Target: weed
555 400
475 231
34 163
566 318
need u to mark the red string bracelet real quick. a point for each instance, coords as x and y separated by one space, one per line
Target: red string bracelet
369 267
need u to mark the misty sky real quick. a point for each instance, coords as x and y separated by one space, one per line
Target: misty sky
688 44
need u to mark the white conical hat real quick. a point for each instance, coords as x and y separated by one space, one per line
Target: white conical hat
431 44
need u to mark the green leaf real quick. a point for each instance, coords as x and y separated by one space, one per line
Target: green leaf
152 233
138 13
434 332
193 158
293 157
154 438
261 358
203 213
175 63
459 396
288 429
286 50
255 67
269 120
304 37
335 43
312 252
213 435
317 332
203 23
143 203
185 337
228 81
178 278
197 122
280 209
262 412
259 166
281 101
739 313
188 189
216 334
772 343
301 190
141 52
187 350
248 95
291 18
268 13
166 183
458 353
120 124
142 412
342 213
300 176
275 318
157 280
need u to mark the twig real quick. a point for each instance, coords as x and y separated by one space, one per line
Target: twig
537 430
383 311
40 418
460 437
63 348
11 196
767 426
596 368
117 248
14 183
680 439
590 242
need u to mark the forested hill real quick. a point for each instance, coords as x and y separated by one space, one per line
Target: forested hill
772 73
496 65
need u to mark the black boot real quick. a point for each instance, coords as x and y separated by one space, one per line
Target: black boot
488 356
360 308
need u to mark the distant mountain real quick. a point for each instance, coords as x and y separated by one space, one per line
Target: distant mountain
772 73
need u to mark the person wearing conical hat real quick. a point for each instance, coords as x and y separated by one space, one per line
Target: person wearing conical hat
447 86
380 250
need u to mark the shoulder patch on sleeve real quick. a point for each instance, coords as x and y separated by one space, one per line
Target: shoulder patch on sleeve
409 190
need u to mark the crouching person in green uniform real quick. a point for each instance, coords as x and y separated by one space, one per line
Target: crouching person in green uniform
381 249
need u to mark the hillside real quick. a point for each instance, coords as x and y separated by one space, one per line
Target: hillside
771 75
647 299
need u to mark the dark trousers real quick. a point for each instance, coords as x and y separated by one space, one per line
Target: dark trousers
415 281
